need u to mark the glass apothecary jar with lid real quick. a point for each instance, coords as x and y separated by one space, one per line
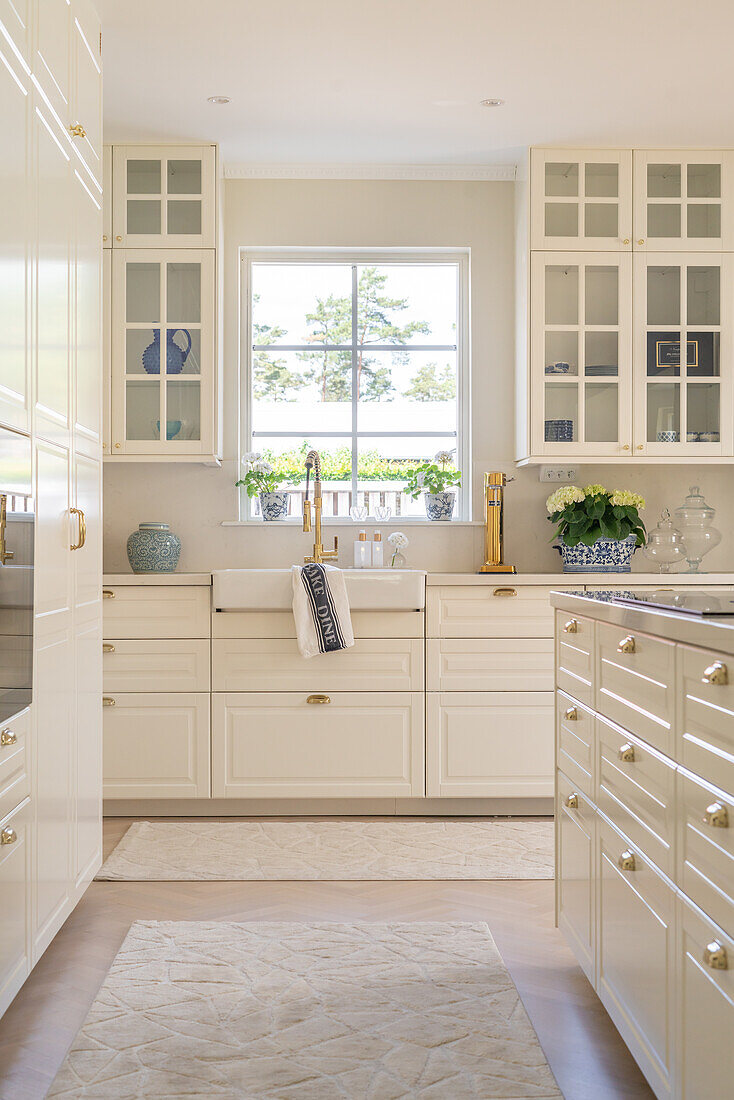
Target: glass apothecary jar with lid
695 519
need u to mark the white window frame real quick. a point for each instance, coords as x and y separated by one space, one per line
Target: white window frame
459 256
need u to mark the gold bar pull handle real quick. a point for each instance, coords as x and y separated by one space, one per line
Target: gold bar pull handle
318 699
505 592
108 594
108 701
82 528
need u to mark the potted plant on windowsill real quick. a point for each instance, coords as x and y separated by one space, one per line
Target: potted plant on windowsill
260 480
434 480
598 529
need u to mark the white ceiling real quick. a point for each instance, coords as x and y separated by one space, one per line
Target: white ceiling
399 81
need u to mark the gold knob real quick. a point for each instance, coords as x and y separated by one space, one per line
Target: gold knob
571 715
318 699
572 801
716 816
571 627
117 446
8 836
104 236
626 240
627 861
118 238
640 446
625 446
641 240
714 955
7 737
107 647
107 701
627 645
505 592
716 674
627 754
108 594
77 130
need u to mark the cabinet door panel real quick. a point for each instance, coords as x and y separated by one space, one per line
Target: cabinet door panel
575 656
706 733
682 201
156 611
581 198
575 857
86 103
576 744
497 611
636 684
87 318
52 66
15 904
16 16
489 664
706 848
164 196
175 664
87 785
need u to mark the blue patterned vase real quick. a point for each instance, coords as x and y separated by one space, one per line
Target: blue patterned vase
274 505
175 356
153 548
605 556
440 505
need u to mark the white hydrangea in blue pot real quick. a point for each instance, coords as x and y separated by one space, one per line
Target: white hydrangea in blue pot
598 529
436 481
153 548
260 480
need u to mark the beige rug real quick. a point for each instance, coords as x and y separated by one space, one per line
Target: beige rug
387 848
311 1011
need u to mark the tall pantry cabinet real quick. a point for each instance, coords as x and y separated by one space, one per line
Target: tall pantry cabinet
50 389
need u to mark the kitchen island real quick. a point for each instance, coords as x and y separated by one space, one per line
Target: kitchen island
644 819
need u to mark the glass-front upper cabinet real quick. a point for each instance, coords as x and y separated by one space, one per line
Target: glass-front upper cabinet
164 196
581 199
683 201
162 352
683 355
581 354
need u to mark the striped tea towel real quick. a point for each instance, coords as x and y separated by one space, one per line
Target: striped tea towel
321 609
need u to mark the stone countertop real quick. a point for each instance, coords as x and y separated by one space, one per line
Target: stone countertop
580 580
715 632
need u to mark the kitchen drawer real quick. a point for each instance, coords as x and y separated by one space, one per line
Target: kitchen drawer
706 1007
489 744
15 902
636 683
636 955
280 624
575 656
278 745
489 664
156 611
637 792
14 761
275 664
706 722
575 855
156 745
163 665
706 861
502 609
576 739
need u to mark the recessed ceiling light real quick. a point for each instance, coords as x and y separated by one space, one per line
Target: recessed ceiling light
492 102
218 99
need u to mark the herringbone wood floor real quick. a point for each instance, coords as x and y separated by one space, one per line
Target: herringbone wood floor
584 1049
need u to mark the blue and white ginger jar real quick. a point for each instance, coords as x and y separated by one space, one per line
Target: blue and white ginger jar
153 548
440 506
604 556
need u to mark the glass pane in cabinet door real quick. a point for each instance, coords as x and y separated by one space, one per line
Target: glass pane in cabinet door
561 295
704 181
663 219
183 351
704 295
143 216
663 412
143 351
183 177
561 179
704 219
143 292
184 216
142 410
183 294
703 412
601 181
561 412
703 354
602 295
601 354
561 352
601 219
143 177
663 295
183 410
601 412
663 354
663 181
561 219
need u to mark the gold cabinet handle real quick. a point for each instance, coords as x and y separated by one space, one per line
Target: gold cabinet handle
82 528
7 738
626 240
627 861
8 836
107 647
108 594
77 130
717 674
716 816
714 955
318 699
627 754
571 715
641 240
104 236
572 801
5 554
118 238
627 645
571 627
108 701
505 592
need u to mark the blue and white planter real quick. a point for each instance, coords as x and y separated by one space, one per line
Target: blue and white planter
273 506
605 556
153 548
440 506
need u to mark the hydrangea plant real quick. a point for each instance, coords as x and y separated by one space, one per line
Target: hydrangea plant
259 476
433 477
585 515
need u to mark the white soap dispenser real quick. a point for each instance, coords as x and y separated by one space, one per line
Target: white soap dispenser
378 552
362 556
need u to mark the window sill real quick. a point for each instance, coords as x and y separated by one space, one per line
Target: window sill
330 521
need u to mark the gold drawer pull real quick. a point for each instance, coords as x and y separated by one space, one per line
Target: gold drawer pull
505 592
318 699
627 754
108 594
717 674
572 801
714 955
627 861
571 715
107 647
7 737
627 645
571 627
8 836
108 701
716 816
77 130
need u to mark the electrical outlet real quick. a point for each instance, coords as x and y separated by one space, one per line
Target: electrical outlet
559 475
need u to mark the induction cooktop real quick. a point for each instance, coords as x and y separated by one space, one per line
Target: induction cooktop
719 601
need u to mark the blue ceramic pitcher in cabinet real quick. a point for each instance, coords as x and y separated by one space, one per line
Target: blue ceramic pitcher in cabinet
176 356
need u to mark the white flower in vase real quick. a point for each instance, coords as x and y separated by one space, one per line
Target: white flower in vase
399 542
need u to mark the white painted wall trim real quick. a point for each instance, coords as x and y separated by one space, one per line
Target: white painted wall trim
466 172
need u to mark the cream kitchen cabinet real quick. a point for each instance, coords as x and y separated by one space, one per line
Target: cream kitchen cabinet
582 199
164 196
683 200
16 877
576 855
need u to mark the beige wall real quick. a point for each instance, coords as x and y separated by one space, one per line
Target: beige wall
194 499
